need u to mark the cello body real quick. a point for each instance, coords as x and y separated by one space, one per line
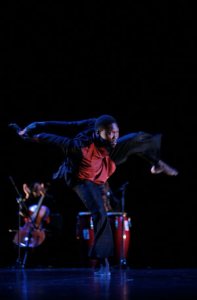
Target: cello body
32 234
29 236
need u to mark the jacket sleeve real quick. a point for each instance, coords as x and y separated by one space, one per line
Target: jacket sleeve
60 127
66 124
52 139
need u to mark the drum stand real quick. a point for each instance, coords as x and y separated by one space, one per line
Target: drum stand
26 250
19 199
123 261
20 263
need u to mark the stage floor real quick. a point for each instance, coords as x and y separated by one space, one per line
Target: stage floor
81 283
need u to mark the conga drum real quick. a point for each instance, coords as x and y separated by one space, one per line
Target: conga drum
85 228
84 236
120 224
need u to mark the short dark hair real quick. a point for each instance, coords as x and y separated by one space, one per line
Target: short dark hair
103 121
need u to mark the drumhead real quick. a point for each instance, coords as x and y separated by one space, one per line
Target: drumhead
109 213
84 213
113 213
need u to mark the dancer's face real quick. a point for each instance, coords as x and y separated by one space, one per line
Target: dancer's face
110 133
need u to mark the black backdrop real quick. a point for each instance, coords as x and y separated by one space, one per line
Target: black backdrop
135 61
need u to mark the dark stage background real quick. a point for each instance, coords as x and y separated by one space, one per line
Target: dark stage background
135 61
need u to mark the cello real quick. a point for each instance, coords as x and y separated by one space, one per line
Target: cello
32 233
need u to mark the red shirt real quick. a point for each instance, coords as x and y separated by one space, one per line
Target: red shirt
96 165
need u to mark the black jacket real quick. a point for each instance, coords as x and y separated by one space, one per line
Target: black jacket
79 134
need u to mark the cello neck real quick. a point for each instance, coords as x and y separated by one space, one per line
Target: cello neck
35 214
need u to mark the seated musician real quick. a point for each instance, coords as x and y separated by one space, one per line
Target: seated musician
35 201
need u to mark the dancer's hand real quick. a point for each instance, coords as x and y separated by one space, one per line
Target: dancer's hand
29 129
18 130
